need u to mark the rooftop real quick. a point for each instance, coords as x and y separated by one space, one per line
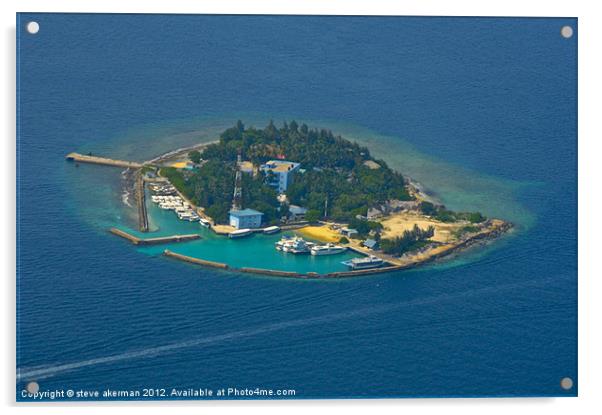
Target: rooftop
370 243
280 165
297 210
245 166
372 165
245 212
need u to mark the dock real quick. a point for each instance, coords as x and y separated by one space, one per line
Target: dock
82 158
141 203
154 241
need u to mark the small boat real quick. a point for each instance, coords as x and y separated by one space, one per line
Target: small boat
239 233
364 263
204 222
285 239
328 249
271 229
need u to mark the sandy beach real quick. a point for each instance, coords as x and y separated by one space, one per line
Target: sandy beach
319 233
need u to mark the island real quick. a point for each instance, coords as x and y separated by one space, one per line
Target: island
329 191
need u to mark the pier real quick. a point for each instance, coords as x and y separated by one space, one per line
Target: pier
141 203
82 158
154 241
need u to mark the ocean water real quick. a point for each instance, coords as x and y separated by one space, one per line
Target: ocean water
481 111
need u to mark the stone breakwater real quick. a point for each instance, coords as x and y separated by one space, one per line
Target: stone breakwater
494 230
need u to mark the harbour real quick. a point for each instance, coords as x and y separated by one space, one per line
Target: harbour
364 261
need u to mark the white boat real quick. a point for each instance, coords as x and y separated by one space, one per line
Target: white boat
271 229
296 246
204 222
239 233
284 240
328 249
364 263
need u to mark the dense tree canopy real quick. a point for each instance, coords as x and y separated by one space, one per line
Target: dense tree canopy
336 183
339 179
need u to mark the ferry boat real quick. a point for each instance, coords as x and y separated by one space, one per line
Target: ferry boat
364 263
204 222
271 229
239 233
328 249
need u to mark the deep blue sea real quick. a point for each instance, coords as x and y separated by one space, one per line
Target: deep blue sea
481 111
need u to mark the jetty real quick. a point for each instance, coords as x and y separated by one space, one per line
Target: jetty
83 158
141 203
154 241
198 261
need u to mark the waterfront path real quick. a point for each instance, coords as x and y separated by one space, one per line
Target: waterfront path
82 158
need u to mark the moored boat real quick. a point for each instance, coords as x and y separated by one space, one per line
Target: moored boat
328 249
364 263
297 245
239 233
271 229
204 222
285 239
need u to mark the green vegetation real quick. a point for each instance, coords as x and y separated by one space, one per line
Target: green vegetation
466 229
335 181
212 186
409 241
364 227
312 215
444 215
343 240
428 208
195 156
147 168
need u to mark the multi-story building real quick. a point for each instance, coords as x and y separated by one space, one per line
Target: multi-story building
282 171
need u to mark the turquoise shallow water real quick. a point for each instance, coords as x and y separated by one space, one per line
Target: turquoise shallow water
254 251
459 188
481 111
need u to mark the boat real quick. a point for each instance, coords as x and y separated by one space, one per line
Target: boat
328 249
285 239
297 246
364 263
271 229
204 222
239 233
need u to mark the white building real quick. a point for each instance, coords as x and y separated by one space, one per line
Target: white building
245 218
283 172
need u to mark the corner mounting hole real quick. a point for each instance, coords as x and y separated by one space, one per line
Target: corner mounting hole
33 27
566 32
33 387
566 383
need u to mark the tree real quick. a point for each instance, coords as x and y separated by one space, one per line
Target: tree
195 156
408 241
428 208
312 215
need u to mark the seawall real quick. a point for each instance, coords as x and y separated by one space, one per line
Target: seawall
154 241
